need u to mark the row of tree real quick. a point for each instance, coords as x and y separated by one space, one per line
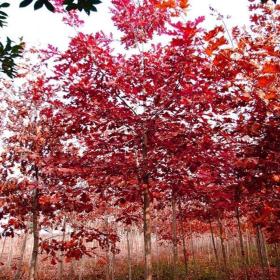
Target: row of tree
191 124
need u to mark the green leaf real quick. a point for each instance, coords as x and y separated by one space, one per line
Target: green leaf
49 6
4 5
96 2
25 3
38 4
3 14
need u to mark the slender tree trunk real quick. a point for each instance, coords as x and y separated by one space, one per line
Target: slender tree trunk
185 255
107 265
35 231
147 217
260 252
3 247
107 252
264 253
147 236
20 261
157 256
183 241
60 269
249 247
128 255
81 268
242 250
192 246
174 236
10 258
277 259
264 249
113 266
223 245
213 242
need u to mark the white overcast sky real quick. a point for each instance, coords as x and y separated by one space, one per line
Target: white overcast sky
41 27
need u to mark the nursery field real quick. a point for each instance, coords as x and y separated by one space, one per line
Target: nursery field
150 152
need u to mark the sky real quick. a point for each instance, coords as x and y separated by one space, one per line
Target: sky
39 28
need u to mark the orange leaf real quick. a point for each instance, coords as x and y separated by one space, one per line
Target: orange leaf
212 33
183 4
265 81
167 4
215 45
270 68
271 95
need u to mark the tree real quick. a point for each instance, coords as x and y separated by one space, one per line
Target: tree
9 52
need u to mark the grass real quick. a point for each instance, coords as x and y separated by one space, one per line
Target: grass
163 270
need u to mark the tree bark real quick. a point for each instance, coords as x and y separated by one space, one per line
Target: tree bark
183 241
192 246
107 276
260 252
213 242
10 258
174 236
128 255
223 245
3 247
249 247
185 255
264 249
277 258
81 268
264 253
147 216
113 265
242 250
60 269
35 231
147 236
20 261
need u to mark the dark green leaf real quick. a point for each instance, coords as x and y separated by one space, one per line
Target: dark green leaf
4 5
96 2
25 3
3 14
38 4
49 6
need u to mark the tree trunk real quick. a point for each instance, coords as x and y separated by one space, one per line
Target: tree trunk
242 250
260 252
128 255
10 258
183 241
107 276
20 261
264 253
147 236
264 249
3 247
192 246
157 256
147 216
113 265
213 242
185 255
277 259
81 268
35 231
223 245
174 236
249 247
60 269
